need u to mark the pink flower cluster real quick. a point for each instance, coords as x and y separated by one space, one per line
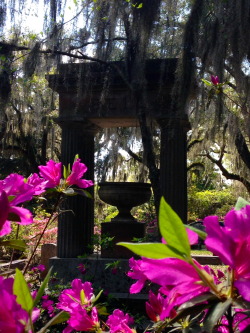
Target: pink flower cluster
48 304
78 302
15 190
231 244
13 319
52 172
181 281
50 235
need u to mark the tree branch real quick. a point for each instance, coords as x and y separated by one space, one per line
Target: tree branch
227 174
195 165
135 156
193 142
242 148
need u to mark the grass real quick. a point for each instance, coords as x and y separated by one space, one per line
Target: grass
201 253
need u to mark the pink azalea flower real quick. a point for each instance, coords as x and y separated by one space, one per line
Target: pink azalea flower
52 172
136 273
178 279
78 169
215 80
39 184
231 244
15 186
39 268
23 215
47 304
241 321
4 203
155 306
13 191
192 237
12 317
82 268
83 321
120 322
71 298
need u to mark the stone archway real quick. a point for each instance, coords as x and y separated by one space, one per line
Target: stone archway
84 109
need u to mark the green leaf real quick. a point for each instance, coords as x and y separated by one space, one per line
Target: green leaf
64 172
173 230
102 310
241 203
197 300
82 296
200 233
215 314
21 290
82 192
42 288
97 296
61 317
69 191
207 83
152 250
17 244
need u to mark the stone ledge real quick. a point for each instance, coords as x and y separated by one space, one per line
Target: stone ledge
207 260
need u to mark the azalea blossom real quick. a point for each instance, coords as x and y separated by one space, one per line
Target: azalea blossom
4 203
13 191
80 294
192 237
136 272
13 318
178 279
51 172
83 320
39 268
120 322
82 268
39 184
155 306
231 244
215 80
47 304
15 186
78 169
241 321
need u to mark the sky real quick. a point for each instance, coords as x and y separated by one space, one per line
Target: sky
30 17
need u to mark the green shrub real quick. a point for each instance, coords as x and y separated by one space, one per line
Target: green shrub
209 202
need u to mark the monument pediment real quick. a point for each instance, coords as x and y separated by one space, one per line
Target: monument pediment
103 95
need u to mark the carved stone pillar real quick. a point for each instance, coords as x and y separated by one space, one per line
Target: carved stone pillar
173 159
75 227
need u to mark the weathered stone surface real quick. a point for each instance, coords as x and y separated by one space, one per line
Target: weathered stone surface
94 96
47 251
102 94
115 281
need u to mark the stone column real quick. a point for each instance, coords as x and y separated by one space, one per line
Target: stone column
75 227
173 164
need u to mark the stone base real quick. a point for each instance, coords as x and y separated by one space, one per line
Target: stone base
121 231
115 282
